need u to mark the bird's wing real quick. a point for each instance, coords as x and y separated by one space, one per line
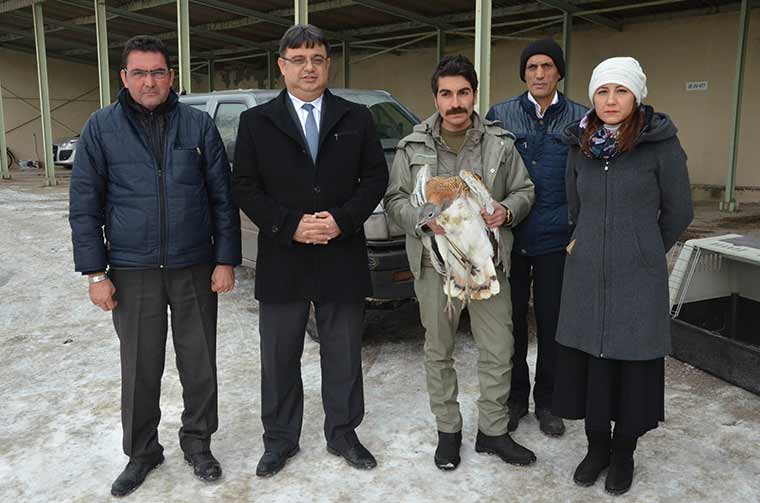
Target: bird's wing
480 194
477 189
418 198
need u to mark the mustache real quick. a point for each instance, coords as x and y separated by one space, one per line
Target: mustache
456 110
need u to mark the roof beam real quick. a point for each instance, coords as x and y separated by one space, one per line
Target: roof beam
132 7
574 9
403 13
9 5
267 17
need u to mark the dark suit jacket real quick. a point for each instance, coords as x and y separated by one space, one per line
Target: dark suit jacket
275 183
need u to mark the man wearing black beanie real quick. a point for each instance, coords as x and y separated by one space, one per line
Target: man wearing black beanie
537 118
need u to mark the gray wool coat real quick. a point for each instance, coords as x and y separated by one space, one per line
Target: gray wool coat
626 212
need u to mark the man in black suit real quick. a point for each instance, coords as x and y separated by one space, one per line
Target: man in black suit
309 170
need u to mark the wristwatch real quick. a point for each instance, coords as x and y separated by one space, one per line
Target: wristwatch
97 278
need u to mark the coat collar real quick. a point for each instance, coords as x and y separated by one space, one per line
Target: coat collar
282 114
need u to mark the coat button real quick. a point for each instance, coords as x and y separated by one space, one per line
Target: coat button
317 190
541 122
493 170
275 229
534 163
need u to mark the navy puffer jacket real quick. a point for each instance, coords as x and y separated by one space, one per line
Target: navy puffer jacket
174 215
539 141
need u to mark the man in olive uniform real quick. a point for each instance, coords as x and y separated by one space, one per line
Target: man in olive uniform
452 139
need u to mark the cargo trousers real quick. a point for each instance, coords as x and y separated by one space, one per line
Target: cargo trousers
491 324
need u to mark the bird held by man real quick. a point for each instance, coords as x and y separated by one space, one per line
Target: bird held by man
467 254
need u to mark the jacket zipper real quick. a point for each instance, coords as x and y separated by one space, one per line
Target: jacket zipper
604 265
163 209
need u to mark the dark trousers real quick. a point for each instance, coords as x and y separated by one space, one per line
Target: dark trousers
282 327
141 321
545 272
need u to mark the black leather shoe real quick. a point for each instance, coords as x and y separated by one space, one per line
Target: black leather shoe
550 424
507 449
357 456
205 466
516 412
447 454
597 459
133 476
272 462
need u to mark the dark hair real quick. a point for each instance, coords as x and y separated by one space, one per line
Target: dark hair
628 133
300 35
144 43
454 65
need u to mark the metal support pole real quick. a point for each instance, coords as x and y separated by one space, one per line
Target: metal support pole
483 53
183 45
440 45
301 11
210 75
104 77
270 66
42 79
346 64
567 30
729 194
5 173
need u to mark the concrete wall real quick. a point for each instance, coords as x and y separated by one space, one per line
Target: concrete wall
73 97
672 52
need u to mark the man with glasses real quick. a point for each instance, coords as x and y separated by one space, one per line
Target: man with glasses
309 170
153 174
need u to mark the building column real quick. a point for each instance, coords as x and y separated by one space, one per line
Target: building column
346 64
42 79
183 46
5 173
483 53
567 30
104 72
729 194
301 12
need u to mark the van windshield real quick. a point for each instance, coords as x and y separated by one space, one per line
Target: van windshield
391 122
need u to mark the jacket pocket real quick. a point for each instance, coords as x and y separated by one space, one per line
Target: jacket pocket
650 249
186 165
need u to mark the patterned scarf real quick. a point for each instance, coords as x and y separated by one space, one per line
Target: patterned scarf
603 143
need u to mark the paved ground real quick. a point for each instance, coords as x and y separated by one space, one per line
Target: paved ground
60 435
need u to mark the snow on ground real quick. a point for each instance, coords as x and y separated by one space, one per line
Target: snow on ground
60 432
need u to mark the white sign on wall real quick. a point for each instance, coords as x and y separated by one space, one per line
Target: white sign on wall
696 86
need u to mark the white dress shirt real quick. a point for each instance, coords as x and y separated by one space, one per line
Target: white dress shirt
303 114
539 113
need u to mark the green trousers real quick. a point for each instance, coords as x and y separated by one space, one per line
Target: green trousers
491 323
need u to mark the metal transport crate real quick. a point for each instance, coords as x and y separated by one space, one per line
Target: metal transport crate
715 307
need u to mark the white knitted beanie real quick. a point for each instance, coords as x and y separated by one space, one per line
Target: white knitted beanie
624 71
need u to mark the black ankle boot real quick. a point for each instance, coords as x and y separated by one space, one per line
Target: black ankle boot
597 458
620 474
447 454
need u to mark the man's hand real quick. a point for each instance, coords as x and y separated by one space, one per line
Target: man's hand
333 231
498 217
223 279
437 229
318 228
101 294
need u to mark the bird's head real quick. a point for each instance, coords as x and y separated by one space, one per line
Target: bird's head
427 214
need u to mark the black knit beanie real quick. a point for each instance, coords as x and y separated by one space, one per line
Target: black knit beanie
544 46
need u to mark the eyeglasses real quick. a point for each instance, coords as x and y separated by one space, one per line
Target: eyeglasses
159 74
301 60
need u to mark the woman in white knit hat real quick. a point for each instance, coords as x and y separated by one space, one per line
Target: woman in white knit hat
629 200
